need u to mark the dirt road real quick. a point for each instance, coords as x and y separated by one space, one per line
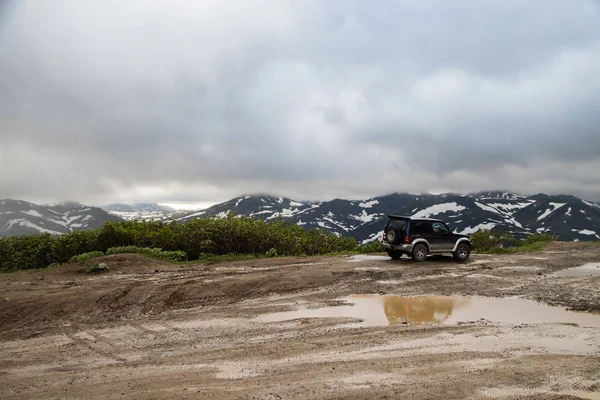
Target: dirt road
322 328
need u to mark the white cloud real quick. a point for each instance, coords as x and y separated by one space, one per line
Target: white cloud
203 101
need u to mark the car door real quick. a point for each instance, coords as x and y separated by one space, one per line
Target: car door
443 240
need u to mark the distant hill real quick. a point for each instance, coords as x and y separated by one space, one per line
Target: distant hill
22 218
143 211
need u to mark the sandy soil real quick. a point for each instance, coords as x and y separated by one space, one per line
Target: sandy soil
151 330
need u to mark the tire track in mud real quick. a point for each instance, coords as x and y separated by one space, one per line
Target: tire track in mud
99 345
170 328
540 394
140 328
555 385
91 341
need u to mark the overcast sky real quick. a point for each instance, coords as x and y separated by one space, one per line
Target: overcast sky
201 101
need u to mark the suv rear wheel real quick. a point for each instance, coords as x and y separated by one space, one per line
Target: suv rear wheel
395 254
419 252
462 252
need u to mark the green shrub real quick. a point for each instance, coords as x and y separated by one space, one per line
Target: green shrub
150 252
27 252
271 253
75 243
537 238
485 241
373 247
86 256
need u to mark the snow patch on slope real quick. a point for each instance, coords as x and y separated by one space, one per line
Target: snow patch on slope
34 213
364 217
591 204
260 213
286 213
196 214
373 237
336 223
368 204
508 207
439 209
222 214
554 207
25 223
514 222
237 203
470 230
312 207
487 208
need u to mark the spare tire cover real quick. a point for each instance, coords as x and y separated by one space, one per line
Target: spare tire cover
391 236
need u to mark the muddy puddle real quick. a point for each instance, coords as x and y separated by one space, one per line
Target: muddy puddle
591 269
385 310
366 257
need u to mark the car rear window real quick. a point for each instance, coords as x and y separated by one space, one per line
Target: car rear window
399 225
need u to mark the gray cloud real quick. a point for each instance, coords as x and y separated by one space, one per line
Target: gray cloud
198 101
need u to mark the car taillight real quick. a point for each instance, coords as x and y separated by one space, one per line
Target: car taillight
406 240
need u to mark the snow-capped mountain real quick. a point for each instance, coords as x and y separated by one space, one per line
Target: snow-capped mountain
22 218
568 217
138 207
144 211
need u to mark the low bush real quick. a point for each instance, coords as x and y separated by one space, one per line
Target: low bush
537 238
485 241
373 247
271 253
149 252
86 256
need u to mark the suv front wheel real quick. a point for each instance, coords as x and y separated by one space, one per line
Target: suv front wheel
419 252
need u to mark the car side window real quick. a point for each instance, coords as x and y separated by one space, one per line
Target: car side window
439 227
422 228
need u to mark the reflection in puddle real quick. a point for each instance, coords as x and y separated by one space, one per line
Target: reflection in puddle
376 310
591 269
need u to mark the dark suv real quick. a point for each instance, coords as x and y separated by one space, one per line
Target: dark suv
419 237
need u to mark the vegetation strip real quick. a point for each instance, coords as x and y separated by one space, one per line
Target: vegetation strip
207 239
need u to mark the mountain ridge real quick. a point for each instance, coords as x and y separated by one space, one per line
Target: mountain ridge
364 219
565 216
